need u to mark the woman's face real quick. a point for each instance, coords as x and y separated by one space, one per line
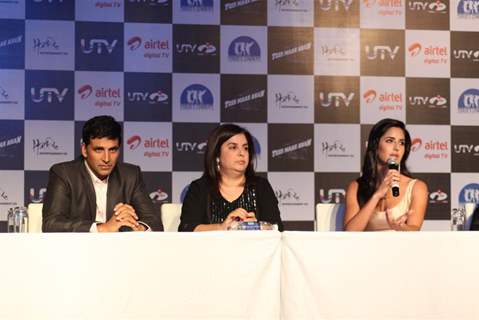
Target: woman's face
391 145
234 154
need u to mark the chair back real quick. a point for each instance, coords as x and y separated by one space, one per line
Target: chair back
329 217
170 216
35 217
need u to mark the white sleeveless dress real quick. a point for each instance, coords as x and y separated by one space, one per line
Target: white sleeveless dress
378 221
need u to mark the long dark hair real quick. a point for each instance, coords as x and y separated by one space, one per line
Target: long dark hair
370 175
213 148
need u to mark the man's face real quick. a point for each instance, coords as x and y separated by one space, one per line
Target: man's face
101 155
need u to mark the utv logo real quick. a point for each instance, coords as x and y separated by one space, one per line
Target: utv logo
244 49
336 5
335 99
381 52
469 101
470 193
41 195
467 149
97 46
431 7
197 5
48 95
438 196
197 147
148 97
468 9
436 102
467 55
334 195
196 96
206 49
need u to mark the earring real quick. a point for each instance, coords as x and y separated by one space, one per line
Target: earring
218 164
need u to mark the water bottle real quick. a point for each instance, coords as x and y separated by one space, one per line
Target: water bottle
17 220
252 225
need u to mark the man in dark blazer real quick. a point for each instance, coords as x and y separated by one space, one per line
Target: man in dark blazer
96 193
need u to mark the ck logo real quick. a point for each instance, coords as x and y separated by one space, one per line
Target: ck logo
98 45
381 51
336 99
48 94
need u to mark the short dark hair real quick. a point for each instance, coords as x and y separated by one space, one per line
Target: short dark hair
101 127
213 147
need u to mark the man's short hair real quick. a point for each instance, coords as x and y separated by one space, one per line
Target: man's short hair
101 127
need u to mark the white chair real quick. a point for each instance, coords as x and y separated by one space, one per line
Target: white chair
170 216
35 217
329 217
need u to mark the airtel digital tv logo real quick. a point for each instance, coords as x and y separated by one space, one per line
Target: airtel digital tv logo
97 46
416 48
371 95
48 95
135 141
336 5
244 48
136 42
86 90
433 149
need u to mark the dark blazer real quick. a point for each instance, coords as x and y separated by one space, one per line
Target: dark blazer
475 219
70 201
196 206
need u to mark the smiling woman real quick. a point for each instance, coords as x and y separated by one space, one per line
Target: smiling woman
229 189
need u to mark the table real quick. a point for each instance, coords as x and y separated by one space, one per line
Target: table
140 276
380 275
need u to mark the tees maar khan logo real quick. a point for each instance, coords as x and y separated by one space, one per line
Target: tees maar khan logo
10 142
197 5
243 99
11 41
336 195
381 52
196 97
433 149
470 193
431 7
467 149
468 9
388 101
436 102
148 97
328 5
293 151
469 101
196 147
288 52
97 46
156 144
244 48
205 49
158 196
438 197
335 99
238 4
48 95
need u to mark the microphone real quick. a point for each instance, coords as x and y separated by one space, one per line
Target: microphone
125 229
393 165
